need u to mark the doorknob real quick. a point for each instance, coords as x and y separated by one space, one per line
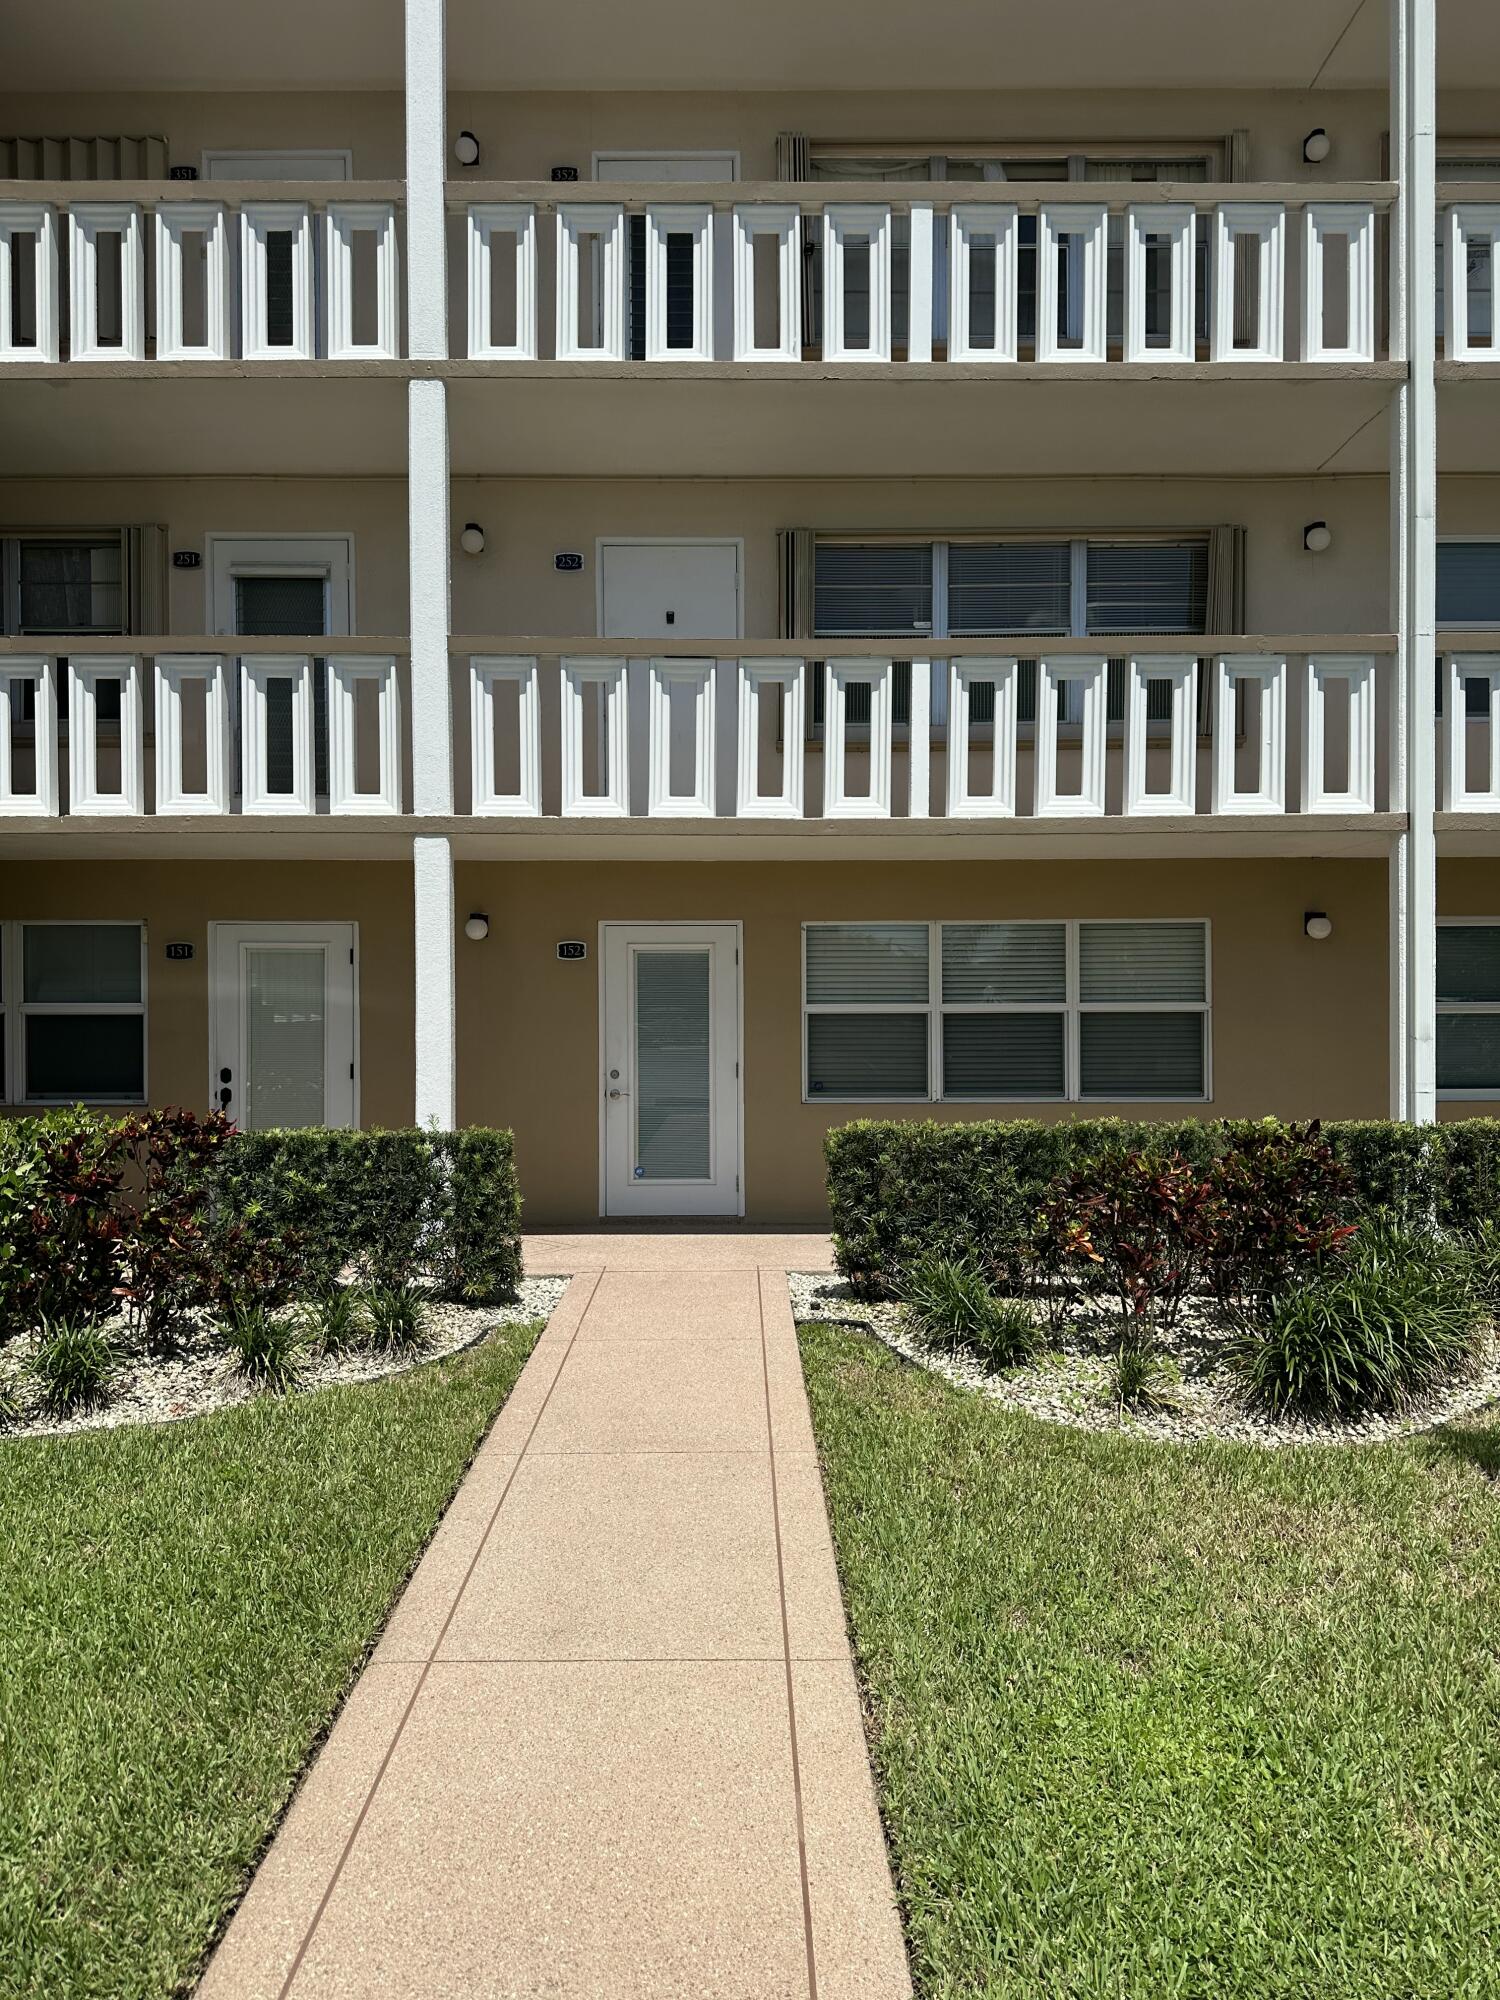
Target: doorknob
619 1093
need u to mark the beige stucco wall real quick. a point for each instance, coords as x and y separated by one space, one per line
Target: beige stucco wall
1298 1028
177 900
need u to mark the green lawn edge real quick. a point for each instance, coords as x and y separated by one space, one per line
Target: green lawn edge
1175 1721
183 1609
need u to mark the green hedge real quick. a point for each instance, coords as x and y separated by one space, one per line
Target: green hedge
898 1187
445 1205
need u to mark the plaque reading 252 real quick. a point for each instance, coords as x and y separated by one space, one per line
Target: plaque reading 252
568 560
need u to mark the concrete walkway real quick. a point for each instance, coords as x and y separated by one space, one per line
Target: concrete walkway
610 1742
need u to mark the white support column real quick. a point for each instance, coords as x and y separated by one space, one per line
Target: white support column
428 561
437 1041
1413 557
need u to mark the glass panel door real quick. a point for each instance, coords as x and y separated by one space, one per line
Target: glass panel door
286 1036
673 1065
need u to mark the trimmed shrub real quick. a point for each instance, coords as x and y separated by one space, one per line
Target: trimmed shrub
60 1181
900 1188
1280 1203
1394 1319
951 1304
164 1256
474 1256
1140 1222
72 1365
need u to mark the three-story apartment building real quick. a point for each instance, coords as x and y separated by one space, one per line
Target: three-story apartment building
669 577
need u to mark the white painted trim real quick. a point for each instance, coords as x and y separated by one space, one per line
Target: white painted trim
1456 794
434 923
735 542
1176 222
426 71
85 798
789 676
604 221
1088 224
18 1010
969 226
1470 223
346 672
17 672
1354 222
838 803
248 163
257 671
1358 675
1091 678
486 221
343 222
87 222
38 220
920 229
662 802
1265 224
260 220
784 222
429 571
174 221
173 672
1182 751
695 221
610 677
1269 674
999 802
603 161
226 1033
485 672
841 220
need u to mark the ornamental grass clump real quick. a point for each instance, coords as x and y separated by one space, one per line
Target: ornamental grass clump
268 1347
951 1305
72 1364
398 1316
337 1321
1391 1320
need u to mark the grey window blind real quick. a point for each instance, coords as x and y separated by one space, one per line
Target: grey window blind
1468 583
673 1031
1147 586
875 589
866 964
867 1055
1004 1055
1140 1055
989 964
1468 963
1003 587
1141 963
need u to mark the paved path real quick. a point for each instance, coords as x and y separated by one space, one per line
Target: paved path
610 1743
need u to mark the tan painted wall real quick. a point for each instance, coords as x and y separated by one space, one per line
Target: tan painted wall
177 901
1298 1028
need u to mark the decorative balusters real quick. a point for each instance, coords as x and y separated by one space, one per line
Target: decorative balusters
505 715
856 282
1328 730
193 727
840 801
762 734
594 739
1248 319
1459 726
1179 676
193 316
28 282
364 294
106 282
24 676
983 318
364 748
1071 325
1170 228
997 799
1473 253
276 716
1054 681
780 224
590 282
1260 682
681 740
89 762
1338 286
276 250
691 224
502 278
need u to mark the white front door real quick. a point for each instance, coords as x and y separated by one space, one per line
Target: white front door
663 590
284 1000
671 1060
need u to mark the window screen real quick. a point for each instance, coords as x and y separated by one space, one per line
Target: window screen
1009 587
82 1011
1468 1021
1468 583
1147 586
872 590
66 587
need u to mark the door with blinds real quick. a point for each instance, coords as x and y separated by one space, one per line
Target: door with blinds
283 1049
297 586
670 1091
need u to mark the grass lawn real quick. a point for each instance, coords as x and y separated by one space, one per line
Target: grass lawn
1157 1721
181 1611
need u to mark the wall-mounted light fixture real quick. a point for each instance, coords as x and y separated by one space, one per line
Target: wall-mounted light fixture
477 928
1316 146
1316 537
471 541
466 149
1317 925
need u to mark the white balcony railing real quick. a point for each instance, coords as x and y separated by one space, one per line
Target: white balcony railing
244 272
968 272
969 732
187 734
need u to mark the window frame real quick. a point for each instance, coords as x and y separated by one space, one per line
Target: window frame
1072 1007
1448 1093
18 1010
1468 624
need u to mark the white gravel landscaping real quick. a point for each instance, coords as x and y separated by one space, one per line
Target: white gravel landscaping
144 1390
1069 1380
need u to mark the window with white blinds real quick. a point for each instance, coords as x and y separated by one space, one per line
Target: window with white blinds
73 1000
1468 1008
1069 1011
